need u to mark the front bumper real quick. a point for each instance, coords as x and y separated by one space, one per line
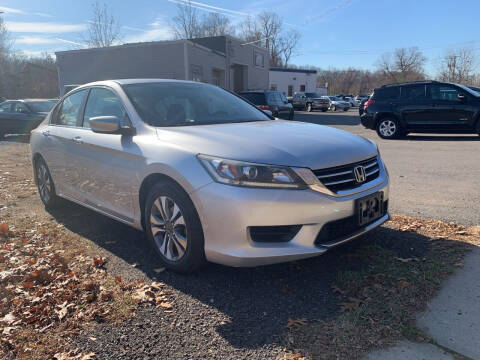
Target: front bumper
227 213
320 106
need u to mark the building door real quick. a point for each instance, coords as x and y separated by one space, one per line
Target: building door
239 78
290 90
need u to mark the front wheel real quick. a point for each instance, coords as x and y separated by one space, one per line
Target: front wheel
388 128
45 185
308 107
173 228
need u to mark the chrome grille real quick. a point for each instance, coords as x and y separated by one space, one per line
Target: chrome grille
343 178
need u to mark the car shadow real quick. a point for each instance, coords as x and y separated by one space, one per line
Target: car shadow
440 137
258 301
329 118
20 138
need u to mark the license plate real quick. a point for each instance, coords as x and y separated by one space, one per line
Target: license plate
369 208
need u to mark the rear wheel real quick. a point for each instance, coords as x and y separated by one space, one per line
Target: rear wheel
45 185
389 128
173 228
308 107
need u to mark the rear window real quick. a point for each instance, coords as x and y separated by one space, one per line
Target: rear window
255 98
387 93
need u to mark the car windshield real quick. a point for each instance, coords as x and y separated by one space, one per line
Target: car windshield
469 90
41 106
182 104
335 98
312 95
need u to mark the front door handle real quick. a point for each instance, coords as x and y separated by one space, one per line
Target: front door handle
46 133
77 140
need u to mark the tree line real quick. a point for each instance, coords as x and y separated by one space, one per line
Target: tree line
22 76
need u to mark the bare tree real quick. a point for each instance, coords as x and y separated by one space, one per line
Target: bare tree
458 66
405 64
215 24
267 30
5 45
186 24
103 30
288 45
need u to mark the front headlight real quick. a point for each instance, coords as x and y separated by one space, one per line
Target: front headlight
240 173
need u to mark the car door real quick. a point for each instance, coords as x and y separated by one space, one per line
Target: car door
22 117
297 101
283 108
6 121
106 163
415 108
449 113
60 140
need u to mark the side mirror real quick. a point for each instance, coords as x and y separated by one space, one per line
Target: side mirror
105 124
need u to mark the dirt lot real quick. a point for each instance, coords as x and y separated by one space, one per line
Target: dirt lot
339 305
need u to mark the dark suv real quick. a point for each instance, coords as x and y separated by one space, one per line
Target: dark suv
275 101
422 107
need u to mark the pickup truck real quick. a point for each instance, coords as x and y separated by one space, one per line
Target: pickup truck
309 101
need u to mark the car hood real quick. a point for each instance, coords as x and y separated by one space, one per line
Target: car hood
275 142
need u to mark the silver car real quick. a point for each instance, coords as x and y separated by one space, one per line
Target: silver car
338 103
206 175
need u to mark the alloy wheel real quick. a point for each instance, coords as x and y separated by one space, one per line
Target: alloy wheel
387 128
168 228
44 183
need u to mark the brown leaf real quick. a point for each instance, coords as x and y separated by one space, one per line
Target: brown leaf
28 284
335 289
293 323
98 262
118 279
165 305
3 229
349 306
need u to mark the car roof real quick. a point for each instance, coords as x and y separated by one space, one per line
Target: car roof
133 81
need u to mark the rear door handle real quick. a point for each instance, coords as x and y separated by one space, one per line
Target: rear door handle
46 133
77 140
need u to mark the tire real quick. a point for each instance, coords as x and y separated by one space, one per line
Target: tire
389 128
334 107
45 185
308 107
291 115
477 127
178 241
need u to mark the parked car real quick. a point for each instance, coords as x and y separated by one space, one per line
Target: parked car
21 116
351 100
475 88
207 175
337 103
309 101
274 101
426 106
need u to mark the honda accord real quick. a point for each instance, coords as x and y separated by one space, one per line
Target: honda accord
207 175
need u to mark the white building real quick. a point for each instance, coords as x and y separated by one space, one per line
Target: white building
290 81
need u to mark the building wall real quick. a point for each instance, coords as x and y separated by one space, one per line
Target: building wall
143 60
281 80
205 65
256 75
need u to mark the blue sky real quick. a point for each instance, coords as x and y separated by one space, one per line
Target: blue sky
335 33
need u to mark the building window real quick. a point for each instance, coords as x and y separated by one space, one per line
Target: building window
273 87
302 88
196 73
258 59
290 90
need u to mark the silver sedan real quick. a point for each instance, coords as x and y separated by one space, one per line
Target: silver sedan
206 175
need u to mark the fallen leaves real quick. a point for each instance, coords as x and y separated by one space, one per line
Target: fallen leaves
98 262
352 304
3 229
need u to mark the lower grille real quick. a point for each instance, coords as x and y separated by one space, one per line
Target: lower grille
274 233
338 229
343 178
